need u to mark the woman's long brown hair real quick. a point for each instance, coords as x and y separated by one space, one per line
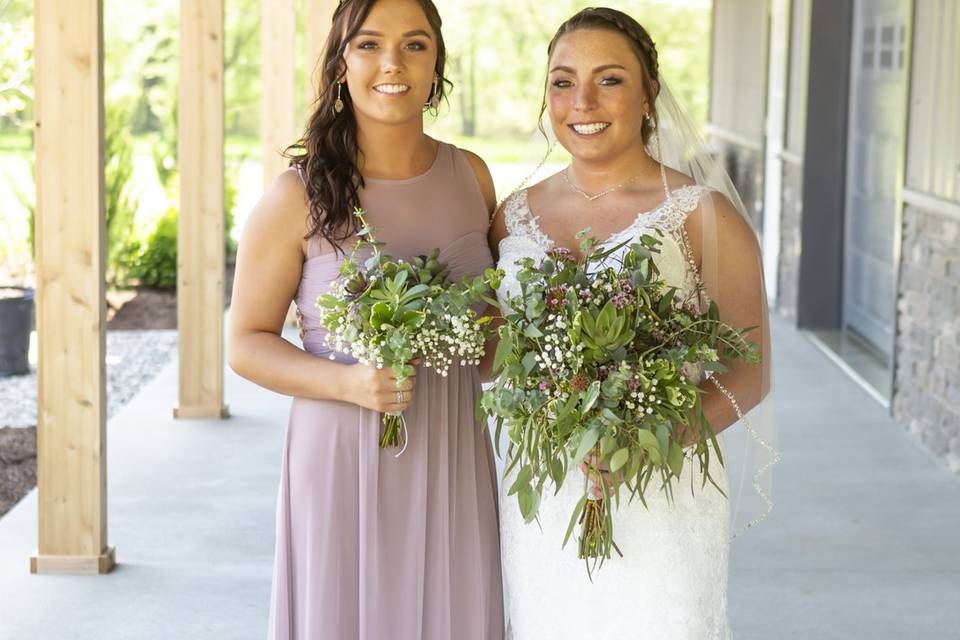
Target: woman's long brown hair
327 155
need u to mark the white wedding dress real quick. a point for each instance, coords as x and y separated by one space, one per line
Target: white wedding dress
671 583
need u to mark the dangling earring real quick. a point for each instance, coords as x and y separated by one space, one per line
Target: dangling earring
338 105
435 100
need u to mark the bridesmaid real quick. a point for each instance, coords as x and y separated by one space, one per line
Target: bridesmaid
370 546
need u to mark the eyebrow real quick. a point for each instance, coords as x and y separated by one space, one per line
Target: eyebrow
408 34
595 70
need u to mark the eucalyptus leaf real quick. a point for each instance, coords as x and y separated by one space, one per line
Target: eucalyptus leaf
587 442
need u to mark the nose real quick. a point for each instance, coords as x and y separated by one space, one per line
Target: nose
390 62
586 98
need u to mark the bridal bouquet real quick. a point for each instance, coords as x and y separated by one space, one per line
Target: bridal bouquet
387 312
600 361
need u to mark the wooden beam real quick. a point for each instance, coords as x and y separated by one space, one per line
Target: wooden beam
277 124
319 17
200 246
71 311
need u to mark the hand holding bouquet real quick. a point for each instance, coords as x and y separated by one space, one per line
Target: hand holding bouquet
600 361
387 312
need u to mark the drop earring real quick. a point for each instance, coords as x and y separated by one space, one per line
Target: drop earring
338 105
435 100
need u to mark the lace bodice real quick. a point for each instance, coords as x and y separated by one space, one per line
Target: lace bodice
525 238
671 583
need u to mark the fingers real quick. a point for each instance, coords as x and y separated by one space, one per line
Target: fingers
398 400
599 476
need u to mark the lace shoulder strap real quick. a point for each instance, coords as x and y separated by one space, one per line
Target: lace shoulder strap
682 203
513 211
521 222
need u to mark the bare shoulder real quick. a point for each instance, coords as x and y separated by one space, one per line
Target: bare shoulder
718 218
678 179
484 178
281 214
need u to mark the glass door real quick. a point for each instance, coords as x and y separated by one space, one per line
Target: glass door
875 168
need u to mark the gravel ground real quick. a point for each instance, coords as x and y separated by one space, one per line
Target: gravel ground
133 359
18 465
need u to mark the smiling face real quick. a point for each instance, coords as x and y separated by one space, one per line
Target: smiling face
391 63
596 94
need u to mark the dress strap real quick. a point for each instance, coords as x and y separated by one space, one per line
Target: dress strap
683 201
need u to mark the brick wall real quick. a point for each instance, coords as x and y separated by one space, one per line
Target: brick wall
927 385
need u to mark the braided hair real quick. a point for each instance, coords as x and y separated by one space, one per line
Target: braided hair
640 41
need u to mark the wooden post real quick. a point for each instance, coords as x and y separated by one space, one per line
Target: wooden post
71 312
277 127
319 16
200 246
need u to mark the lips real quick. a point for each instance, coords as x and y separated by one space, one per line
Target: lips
393 89
589 128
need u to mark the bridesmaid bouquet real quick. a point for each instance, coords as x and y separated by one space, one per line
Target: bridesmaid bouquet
601 364
387 312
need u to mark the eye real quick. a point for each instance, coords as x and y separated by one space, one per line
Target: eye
610 81
416 45
367 45
561 83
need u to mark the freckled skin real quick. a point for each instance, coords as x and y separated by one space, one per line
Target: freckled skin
577 93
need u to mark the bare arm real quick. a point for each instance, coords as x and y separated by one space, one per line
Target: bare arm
269 266
490 198
737 288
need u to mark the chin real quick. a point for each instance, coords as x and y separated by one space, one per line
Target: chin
587 150
394 114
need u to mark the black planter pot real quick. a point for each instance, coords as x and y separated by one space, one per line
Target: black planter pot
16 323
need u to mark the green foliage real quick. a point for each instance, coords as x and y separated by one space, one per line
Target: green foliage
120 206
16 65
27 198
497 58
229 204
154 264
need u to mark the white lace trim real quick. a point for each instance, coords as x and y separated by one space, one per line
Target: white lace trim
520 220
668 216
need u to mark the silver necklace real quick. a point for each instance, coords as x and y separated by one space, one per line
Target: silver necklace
587 196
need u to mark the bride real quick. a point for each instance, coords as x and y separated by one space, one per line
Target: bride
634 151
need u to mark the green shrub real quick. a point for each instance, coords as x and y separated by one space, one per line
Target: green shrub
154 263
229 204
120 207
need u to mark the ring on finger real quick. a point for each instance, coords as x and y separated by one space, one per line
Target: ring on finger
400 397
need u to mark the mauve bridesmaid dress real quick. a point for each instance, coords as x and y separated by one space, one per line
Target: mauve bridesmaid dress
373 547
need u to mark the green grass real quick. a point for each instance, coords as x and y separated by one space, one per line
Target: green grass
16 142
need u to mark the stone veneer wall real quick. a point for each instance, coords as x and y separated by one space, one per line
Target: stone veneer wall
745 167
927 385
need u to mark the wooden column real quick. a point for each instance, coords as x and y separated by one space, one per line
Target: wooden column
71 313
319 16
200 246
277 124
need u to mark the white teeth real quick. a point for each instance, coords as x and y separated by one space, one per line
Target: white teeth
392 88
588 129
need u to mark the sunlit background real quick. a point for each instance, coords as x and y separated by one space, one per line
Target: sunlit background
496 61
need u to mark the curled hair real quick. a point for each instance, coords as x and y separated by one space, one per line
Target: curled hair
327 155
641 42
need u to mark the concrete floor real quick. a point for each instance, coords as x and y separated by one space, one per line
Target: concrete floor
864 543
